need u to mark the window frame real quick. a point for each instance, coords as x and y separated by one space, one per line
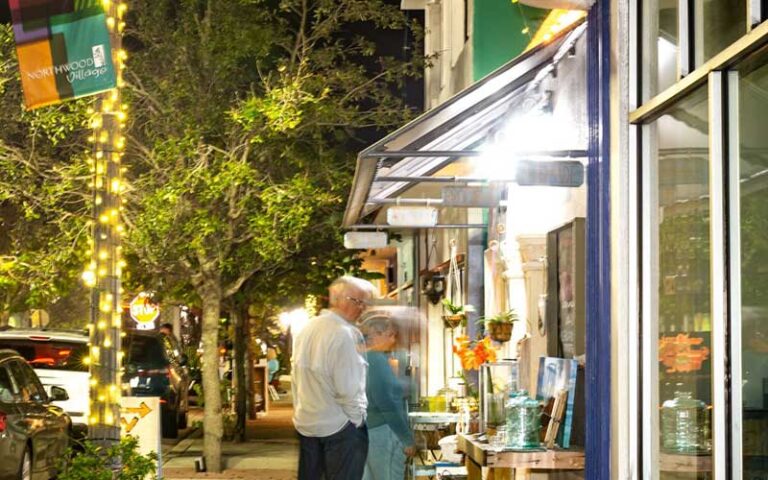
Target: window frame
644 108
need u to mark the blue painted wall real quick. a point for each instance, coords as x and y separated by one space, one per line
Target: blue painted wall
598 368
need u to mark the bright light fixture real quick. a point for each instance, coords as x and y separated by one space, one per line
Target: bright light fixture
533 131
295 320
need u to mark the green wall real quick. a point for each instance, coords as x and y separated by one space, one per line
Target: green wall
497 27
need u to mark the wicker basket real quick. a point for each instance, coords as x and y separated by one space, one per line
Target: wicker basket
498 331
453 321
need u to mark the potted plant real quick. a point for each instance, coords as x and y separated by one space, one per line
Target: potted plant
499 326
456 314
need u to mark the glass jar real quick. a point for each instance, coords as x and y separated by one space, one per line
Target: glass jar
523 421
497 380
685 425
496 414
449 395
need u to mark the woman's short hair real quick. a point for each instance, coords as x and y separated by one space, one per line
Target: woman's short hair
377 322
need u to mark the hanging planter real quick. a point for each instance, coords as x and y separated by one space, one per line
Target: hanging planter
500 332
455 314
453 321
499 327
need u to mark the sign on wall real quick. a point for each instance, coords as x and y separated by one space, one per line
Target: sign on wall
63 49
140 418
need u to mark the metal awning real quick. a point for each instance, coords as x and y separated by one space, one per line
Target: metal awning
453 130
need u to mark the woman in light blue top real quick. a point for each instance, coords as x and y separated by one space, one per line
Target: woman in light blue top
389 434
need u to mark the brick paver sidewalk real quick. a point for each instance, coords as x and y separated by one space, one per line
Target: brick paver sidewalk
271 452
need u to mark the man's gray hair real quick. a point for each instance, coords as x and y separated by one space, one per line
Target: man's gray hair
347 286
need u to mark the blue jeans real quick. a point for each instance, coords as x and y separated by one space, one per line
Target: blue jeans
388 462
340 456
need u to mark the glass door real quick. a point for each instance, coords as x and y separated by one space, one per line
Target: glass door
749 266
678 329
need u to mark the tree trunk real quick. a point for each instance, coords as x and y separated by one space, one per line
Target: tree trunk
241 319
213 425
5 318
249 361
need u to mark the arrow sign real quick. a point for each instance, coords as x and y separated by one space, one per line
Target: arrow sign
129 425
142 410
140 418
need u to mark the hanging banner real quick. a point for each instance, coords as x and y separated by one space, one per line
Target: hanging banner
63 48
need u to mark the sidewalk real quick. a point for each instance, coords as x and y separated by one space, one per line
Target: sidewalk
271 452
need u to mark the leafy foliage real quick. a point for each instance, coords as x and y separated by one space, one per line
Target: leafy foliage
253 171
95 463
456 309
508 316
44 194
242 141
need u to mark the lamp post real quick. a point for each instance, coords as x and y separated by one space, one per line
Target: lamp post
103 274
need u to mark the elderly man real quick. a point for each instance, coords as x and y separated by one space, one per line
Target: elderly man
329 371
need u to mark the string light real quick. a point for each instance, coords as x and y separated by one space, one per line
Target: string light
106 266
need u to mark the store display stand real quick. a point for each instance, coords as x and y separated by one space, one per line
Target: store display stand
502 463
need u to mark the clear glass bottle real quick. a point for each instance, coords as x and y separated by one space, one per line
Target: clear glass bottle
685 425
523 421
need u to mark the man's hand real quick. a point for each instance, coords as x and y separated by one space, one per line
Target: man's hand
409 451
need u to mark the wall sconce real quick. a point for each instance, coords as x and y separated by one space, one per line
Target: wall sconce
433 286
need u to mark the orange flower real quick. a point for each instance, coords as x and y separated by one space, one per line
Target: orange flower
473 354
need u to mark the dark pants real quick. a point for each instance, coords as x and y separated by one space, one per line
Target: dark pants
338 457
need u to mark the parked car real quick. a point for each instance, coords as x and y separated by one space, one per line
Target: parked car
57 357
156 367
34 435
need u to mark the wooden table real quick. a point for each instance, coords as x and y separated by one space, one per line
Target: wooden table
430 425
501 463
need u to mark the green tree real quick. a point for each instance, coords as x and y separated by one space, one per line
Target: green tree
44 194
242 140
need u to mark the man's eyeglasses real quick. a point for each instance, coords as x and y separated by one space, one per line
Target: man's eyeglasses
359 302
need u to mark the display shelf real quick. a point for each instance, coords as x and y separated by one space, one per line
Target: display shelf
433 417
673 462
479 454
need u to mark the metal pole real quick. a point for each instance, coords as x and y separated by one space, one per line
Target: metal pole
414 227
106 260
473 153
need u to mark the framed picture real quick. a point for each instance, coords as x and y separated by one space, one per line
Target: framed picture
556 374
566 283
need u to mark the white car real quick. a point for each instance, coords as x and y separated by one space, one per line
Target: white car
57 358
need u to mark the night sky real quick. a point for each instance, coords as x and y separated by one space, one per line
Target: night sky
5 13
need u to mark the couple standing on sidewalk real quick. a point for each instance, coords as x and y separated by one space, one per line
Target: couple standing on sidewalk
338 418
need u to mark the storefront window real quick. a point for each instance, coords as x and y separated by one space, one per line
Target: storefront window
684 327
664 45
753 166
721 22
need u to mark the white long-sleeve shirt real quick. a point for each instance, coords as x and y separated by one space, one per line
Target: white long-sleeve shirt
329 371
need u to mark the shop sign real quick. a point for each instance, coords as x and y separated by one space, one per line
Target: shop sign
365 240
487 196
560 173
144 311
412 216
